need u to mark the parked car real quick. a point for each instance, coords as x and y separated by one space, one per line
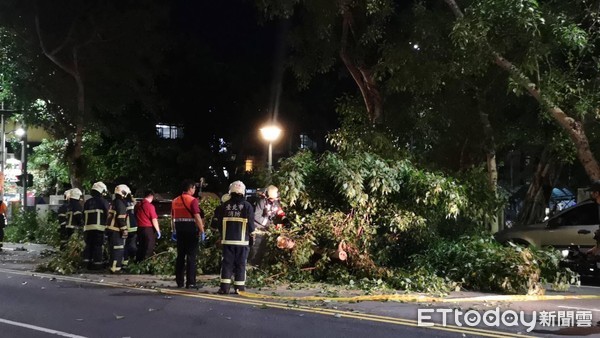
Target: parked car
573 226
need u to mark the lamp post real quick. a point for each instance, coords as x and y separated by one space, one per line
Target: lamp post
270 133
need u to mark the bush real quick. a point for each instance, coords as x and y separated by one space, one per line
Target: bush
68 260
27 227
481 263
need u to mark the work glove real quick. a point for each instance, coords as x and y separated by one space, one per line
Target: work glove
202 236
174 236
158 235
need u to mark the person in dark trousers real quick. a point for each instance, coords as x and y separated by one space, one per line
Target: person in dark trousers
188 230
268 213
148 229
2 222
234 220
117 226
63 219
130 251
95 211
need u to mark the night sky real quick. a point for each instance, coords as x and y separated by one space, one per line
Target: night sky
225 64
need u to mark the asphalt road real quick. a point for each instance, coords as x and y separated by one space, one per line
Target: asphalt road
34 306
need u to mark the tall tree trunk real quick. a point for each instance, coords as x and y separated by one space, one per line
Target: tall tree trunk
363 76
540 189
573 127
490 149
74 146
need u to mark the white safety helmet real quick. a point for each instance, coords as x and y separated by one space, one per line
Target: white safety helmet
237 187
100 187
272 192
67 194
122 190
76 193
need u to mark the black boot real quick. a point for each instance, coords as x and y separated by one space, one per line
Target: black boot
224 289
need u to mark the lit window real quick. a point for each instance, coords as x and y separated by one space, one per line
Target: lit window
169 132
249 165
307 143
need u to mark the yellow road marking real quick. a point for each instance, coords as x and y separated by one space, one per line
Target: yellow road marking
260 303
421 299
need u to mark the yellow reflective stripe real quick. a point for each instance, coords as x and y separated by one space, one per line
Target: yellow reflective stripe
114 267
62 215
94 227
225 281
130 207
122 216
183 220
119 247
239 283
133 229
113 228
70 226
77 213
124 228
236 219
228 242
242 240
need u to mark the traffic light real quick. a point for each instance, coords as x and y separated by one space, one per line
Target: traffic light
29 180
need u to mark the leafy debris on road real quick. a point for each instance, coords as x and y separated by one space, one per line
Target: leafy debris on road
117 316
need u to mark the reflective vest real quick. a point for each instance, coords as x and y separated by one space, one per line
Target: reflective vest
95 211
181 209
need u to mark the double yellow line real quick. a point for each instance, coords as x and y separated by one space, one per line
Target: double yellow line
277 305
406 298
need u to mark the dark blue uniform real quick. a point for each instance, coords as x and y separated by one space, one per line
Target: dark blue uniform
95 212
235 221
131 241
117 226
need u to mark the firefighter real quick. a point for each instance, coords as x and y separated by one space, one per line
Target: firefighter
95 212
62 219
116 223
131 241
268 214
188 230
74 214
234 220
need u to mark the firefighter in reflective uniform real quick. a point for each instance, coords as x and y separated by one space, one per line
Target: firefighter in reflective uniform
62 219
268 213
95 211
235 221
116 225
188 230
131 241
74 214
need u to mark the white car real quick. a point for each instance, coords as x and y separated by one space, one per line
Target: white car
573 226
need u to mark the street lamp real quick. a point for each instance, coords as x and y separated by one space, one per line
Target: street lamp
270 133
